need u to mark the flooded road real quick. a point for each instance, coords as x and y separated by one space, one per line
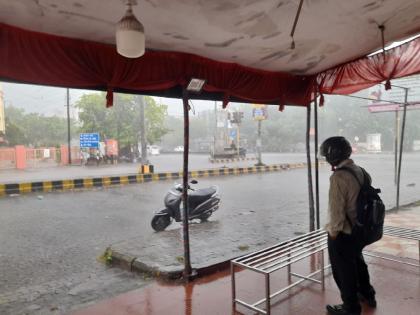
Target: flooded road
50 242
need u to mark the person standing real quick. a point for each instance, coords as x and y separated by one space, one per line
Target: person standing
349 268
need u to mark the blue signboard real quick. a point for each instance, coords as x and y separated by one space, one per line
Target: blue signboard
232 134
89 140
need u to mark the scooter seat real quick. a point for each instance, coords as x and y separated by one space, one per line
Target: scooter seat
204 192
199 196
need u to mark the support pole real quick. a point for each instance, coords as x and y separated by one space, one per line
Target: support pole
68 126
187 263
318 223
308 156
215 127
397 132
401 146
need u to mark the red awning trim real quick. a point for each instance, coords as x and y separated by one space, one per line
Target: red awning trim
38 58
363 73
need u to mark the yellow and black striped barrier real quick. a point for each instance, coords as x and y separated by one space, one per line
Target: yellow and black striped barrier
230 160
107 181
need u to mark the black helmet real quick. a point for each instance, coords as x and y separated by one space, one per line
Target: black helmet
335 150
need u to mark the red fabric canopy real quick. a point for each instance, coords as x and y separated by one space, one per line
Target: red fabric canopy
365 72
39 58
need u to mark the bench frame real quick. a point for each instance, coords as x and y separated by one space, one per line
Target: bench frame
274 258
284 254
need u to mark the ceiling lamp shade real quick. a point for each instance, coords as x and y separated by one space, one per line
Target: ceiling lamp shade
129 35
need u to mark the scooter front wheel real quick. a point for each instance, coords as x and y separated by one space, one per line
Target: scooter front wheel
160 222
204 217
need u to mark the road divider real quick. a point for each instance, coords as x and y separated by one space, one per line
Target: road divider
232 160
109 181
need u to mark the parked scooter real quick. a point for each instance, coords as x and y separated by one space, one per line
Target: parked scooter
202 203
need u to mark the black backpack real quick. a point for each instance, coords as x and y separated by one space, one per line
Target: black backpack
369 223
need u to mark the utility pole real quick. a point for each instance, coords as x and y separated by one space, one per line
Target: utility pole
68 126
259 112
237 137
259 144
142 131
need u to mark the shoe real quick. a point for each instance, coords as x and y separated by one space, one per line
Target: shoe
341 310
370 301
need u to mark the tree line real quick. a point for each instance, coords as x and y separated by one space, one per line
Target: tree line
281 132
120 122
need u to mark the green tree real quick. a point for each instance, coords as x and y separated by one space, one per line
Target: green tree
122 121
34 129
15 135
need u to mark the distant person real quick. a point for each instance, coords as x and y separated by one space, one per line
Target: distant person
349 269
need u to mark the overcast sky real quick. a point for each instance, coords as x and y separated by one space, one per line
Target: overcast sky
52 100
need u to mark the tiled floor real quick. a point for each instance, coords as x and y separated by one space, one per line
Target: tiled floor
397 286
397 246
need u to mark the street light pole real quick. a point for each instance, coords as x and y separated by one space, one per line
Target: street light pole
259 143
68 126
142 131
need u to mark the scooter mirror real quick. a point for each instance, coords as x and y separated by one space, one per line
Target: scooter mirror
193 182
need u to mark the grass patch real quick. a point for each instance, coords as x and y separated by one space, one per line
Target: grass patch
106 257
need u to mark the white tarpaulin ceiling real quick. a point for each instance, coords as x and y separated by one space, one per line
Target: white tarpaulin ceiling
249 32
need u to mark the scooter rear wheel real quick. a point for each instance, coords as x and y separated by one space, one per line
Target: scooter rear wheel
160 222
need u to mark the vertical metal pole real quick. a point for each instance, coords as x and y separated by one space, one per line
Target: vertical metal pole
267 294
308 156
68 126
401 147
142 131
259 143
187 263
289 268
237 137
322 271
397 131
419 254
316 163
232 272
215 127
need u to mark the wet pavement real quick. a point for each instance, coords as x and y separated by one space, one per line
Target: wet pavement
49 242
396 285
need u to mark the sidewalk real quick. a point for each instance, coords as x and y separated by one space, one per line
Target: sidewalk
397 287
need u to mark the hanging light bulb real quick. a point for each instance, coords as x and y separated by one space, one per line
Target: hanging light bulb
129 35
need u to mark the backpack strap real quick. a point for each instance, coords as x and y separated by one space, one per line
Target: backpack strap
352 172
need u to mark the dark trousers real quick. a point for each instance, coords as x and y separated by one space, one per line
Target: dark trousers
349 269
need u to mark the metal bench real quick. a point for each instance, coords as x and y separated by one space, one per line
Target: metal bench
284 254
279 256
400 232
